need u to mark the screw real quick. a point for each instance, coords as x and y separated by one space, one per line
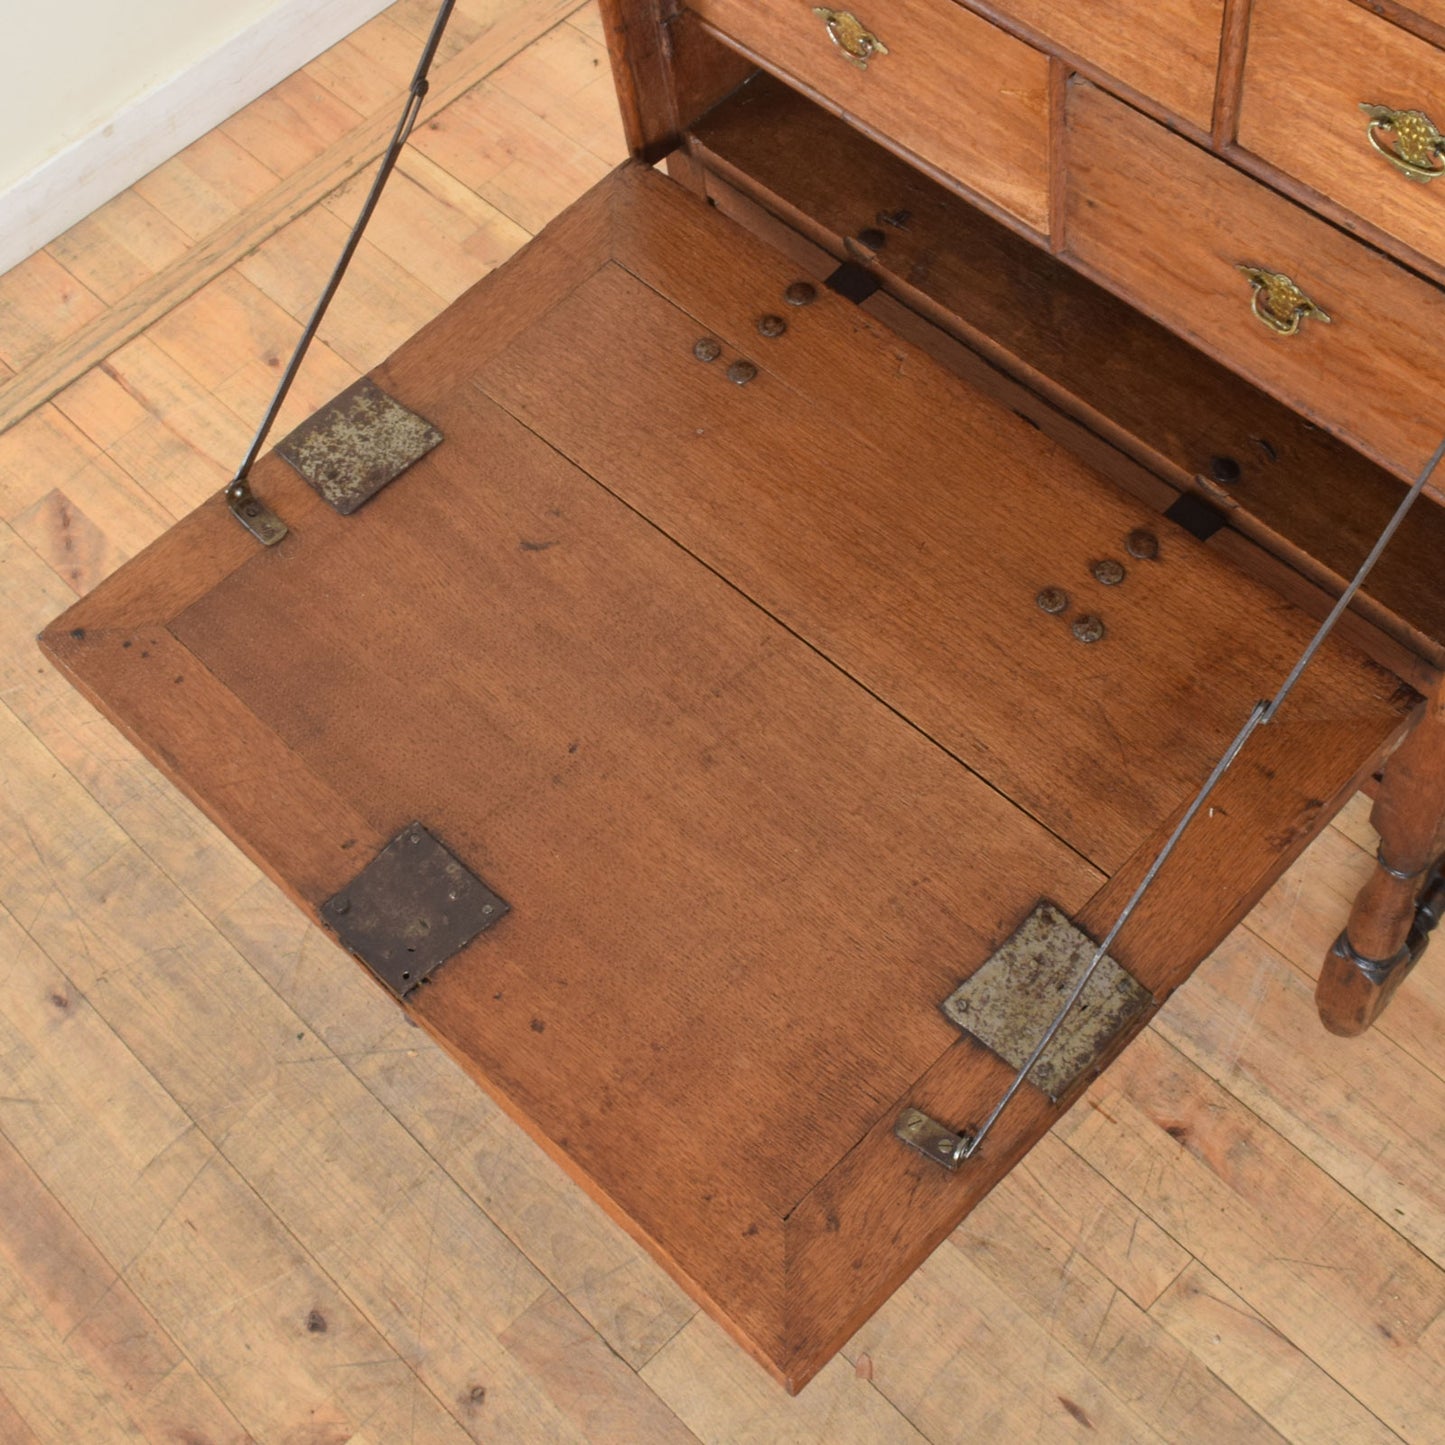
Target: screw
706 349
771 325
341 905
741 372
1052 600
1225 470
944 1147
487 908
252 509
801 293
873 238
414 838
1108 572
1088 628
1142 544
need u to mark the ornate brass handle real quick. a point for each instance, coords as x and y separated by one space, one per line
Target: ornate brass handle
858 44
1419 149
1279 303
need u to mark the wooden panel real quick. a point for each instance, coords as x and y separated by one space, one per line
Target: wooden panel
1311 64
1168 225
1166 49
954 90
1146 712
740 880
1078 344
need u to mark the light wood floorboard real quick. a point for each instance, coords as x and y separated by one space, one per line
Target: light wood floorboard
242 1198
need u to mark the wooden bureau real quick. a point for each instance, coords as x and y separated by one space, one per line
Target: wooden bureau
797 584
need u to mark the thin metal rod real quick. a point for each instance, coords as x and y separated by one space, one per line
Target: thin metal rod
1263 712
1220 768
416 93
1366 567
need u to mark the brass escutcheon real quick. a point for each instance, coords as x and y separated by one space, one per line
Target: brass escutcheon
1419 149
858 44
1279 303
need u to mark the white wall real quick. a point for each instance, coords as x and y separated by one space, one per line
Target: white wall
95 93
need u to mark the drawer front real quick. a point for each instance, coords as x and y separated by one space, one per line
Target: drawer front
953 89
1312 65
1168 226
1166 49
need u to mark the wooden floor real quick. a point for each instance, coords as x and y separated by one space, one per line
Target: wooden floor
240 1197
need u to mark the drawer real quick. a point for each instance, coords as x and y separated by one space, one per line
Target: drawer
1312 64
1166 49
954 90
1167 226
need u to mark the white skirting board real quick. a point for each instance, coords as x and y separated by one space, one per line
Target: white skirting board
167 118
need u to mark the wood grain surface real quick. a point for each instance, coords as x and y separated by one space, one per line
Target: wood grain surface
1077 344
1369 377
246 1199
1165 49
959 93
1311 66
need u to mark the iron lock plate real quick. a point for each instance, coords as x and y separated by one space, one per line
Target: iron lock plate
410 909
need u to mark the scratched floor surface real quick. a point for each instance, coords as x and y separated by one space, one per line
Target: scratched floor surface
240 1198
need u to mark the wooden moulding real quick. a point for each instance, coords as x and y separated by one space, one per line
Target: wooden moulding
1301 494
740 697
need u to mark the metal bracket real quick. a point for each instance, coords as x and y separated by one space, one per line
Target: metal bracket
358 443
1009 1003
257 518
410 909
930 1137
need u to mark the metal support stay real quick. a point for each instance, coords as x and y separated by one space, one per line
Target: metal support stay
259 520
1263 712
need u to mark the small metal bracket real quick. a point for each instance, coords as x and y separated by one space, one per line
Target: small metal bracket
257 518
358 443
1011 1001
410 909
930 1137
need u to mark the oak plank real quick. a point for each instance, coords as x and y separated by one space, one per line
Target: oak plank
291 124
1261 1365
720 1396
565 79
100 1333
1097 1220
445 248
1078 1308
193 1243
1038 319
515 160
962 1359
120 245
1301 1251
1364 1111
41 304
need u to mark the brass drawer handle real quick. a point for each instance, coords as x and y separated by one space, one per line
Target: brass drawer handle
1419 148
858 44
1279 303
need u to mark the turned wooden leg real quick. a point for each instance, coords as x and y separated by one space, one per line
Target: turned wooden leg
1405 896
